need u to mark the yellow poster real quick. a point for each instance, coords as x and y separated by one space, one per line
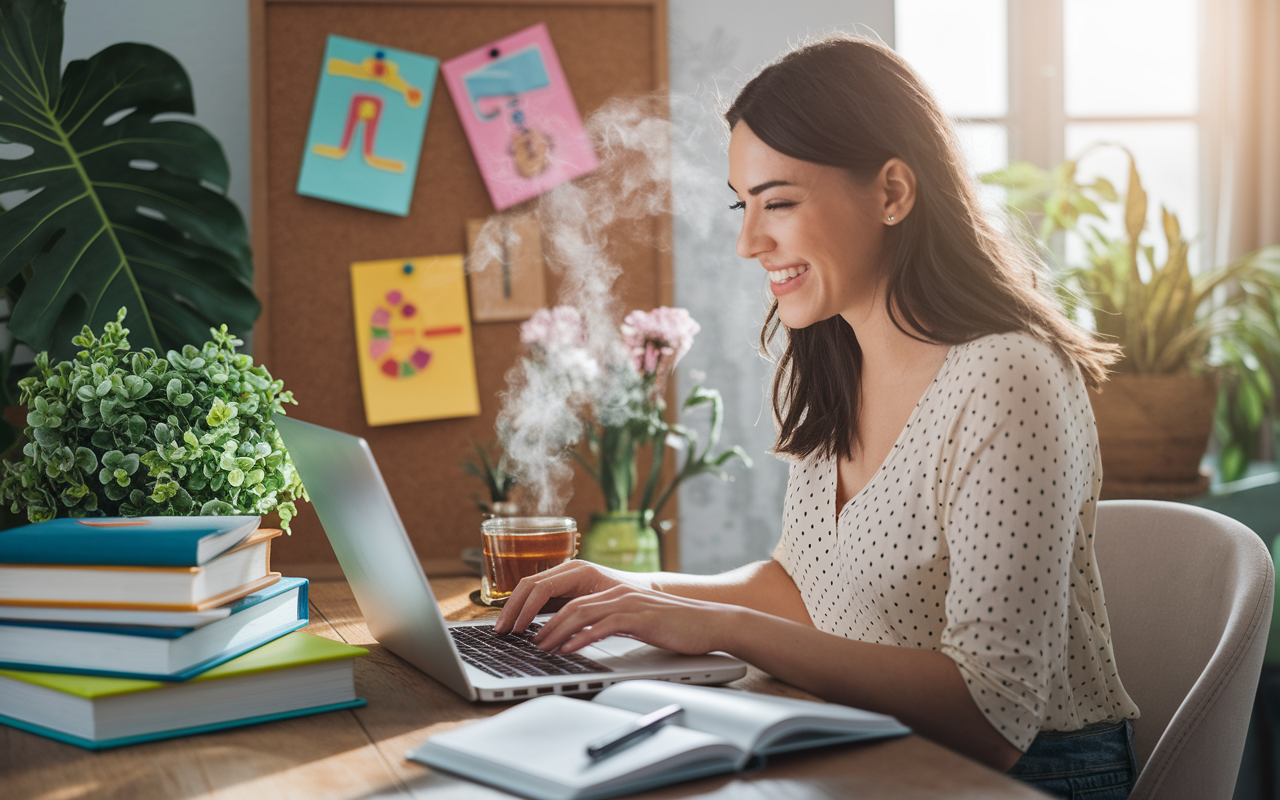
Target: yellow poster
414 338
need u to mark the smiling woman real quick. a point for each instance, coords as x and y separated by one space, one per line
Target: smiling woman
936 560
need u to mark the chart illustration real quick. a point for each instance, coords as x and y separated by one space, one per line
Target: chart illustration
367 125
396 343
413 336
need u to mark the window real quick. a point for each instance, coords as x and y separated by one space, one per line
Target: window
961 51
1046 80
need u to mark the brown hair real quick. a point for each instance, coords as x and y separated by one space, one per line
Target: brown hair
852 102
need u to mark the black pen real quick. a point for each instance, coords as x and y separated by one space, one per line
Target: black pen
646 725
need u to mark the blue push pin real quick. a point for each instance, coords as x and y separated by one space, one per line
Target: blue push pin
408 269
379 55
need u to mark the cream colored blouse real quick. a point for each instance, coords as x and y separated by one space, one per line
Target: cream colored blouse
975 537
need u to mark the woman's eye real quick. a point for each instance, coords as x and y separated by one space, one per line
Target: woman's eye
772 206
737 206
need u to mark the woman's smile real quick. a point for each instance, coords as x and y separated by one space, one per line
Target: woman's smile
787 279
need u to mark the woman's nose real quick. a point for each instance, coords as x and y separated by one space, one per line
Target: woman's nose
751 240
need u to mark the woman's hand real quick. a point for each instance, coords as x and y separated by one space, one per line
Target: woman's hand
673 623
571 579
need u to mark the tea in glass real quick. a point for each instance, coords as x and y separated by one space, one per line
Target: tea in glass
517 547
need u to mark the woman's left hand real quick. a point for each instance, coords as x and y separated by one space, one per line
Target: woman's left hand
673 623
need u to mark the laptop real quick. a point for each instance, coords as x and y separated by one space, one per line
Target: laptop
360 519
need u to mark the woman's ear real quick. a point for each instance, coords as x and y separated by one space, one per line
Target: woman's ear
897 185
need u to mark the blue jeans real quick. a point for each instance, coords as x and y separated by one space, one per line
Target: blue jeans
1093 763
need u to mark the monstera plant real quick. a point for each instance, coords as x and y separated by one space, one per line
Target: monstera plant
121 209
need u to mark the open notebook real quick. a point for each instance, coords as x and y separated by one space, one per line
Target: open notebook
538 748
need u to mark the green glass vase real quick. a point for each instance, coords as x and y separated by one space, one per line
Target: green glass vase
621 540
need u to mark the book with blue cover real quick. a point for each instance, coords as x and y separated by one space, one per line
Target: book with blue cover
125 541
155 653
240 571
294 675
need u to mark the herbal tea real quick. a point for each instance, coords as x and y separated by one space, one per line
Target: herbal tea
518 547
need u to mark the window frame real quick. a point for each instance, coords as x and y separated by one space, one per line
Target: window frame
1037 119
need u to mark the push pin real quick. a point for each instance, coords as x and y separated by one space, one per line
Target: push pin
407 269
494 53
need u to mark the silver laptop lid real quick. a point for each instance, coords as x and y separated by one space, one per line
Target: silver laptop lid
360 519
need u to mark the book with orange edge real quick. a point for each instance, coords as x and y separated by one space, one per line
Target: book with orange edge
240 571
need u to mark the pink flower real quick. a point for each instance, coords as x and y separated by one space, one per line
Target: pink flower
553 328
657 339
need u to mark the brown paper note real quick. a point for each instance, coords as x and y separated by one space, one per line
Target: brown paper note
510 284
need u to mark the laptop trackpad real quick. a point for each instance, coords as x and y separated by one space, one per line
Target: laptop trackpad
619 645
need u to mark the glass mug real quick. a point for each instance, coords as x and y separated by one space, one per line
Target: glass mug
517 547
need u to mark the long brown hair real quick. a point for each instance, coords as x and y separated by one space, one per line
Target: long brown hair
853 103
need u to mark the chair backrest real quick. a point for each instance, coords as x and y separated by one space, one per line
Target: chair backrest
1188 594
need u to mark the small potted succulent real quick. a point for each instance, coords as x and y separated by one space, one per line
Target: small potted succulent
491 469
118 432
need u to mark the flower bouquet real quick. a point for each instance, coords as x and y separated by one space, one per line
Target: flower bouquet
618 390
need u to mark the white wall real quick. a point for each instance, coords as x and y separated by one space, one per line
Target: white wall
210 38
716 45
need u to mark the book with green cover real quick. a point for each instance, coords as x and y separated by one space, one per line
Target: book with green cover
294 675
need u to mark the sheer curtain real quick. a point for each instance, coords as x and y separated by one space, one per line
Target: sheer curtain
1245 49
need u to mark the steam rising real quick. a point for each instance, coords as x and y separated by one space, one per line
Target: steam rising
639 163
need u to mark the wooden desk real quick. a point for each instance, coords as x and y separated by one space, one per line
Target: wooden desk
359 753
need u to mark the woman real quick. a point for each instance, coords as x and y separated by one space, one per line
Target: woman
936 561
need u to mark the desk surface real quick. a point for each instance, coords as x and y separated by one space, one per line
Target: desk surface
359 753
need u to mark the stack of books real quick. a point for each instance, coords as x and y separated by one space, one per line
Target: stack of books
122 630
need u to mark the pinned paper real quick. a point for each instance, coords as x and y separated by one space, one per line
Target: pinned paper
519 116
413 336
505 270
367 125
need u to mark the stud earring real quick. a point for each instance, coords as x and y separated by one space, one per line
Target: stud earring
891 219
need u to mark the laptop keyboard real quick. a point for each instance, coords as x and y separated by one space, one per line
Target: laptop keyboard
513 655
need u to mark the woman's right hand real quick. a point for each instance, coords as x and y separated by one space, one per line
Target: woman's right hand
570 579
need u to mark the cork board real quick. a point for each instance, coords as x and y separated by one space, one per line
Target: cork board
303 247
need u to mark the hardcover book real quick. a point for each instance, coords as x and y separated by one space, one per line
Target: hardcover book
242 570
156 653
295 675
125 541
539 748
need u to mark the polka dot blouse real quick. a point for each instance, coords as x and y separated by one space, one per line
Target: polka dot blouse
975 538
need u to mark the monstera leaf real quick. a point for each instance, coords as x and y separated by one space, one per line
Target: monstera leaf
123 209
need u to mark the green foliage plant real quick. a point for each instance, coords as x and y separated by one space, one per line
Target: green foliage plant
118 432
122 208
1167 320
492 470
614 448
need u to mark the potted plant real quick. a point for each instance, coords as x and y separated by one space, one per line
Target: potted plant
120 208
118 432
623 416
491 469
1192 344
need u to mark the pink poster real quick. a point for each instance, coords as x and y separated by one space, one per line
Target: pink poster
519 116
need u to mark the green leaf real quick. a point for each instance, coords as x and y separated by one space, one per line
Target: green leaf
217 508
1105 190
1232 462
131 214
85 459
1135 205
1250 403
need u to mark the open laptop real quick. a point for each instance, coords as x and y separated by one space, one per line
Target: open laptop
359 517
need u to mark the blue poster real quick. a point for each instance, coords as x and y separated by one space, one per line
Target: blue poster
367 125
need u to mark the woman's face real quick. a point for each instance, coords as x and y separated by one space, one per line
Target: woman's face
818 232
